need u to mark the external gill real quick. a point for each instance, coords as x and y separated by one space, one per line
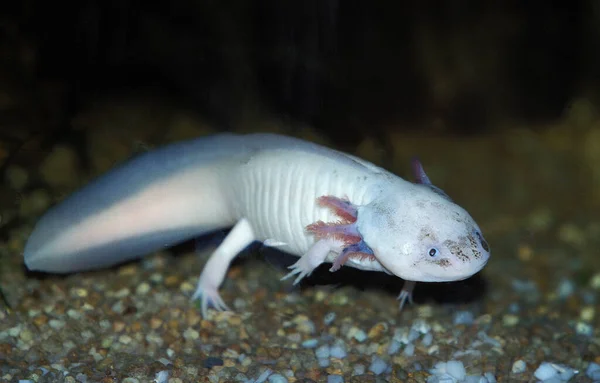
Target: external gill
344 230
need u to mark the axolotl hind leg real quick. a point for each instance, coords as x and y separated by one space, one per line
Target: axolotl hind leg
216 267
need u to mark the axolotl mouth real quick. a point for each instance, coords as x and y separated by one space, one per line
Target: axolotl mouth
466 256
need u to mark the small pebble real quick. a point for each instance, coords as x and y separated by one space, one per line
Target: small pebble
162 376
548 371
510 320
359 369
357 334
378 366
588 297
409 350
212 361
329 318
464 317
519 367
310 343
443 378
427 339
514 308
583 328
565 288
263 377
323 362
304 324
593 371
338 351
394 347
56 324
456 369
587 313
595 281
142 289
421 326
488 339
322 352
335 379
277 378
191 334
490 377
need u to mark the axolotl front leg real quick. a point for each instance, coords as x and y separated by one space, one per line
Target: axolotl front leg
341 238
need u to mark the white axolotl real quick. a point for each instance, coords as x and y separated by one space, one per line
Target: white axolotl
316 203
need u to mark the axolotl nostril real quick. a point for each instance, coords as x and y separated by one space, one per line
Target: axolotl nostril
319 204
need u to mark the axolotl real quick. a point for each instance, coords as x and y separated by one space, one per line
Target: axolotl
319 204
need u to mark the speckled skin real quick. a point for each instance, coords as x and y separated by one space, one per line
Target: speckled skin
268 188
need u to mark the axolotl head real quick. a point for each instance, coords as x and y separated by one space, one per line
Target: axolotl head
421 235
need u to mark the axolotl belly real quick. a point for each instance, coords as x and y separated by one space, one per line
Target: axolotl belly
321 205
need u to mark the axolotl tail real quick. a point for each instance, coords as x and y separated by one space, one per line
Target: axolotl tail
156 200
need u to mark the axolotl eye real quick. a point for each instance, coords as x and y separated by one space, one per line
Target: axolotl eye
433 252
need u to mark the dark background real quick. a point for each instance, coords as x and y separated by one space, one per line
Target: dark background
344 67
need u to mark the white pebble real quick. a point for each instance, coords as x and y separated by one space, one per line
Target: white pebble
322 352
378 366
548 371
490 377
545 371
277 378
409 350
565 288
394 347
519 367
583 328
593 371
310 343
56 324
456 369
464 317
488 339
329 318
427 339
263 377
338 351
357 334
438 369
323 362
359 369
161 377
335 379
142 289
444 378
475 379
413 335
421 326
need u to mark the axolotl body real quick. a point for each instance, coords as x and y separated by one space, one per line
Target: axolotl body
316 203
